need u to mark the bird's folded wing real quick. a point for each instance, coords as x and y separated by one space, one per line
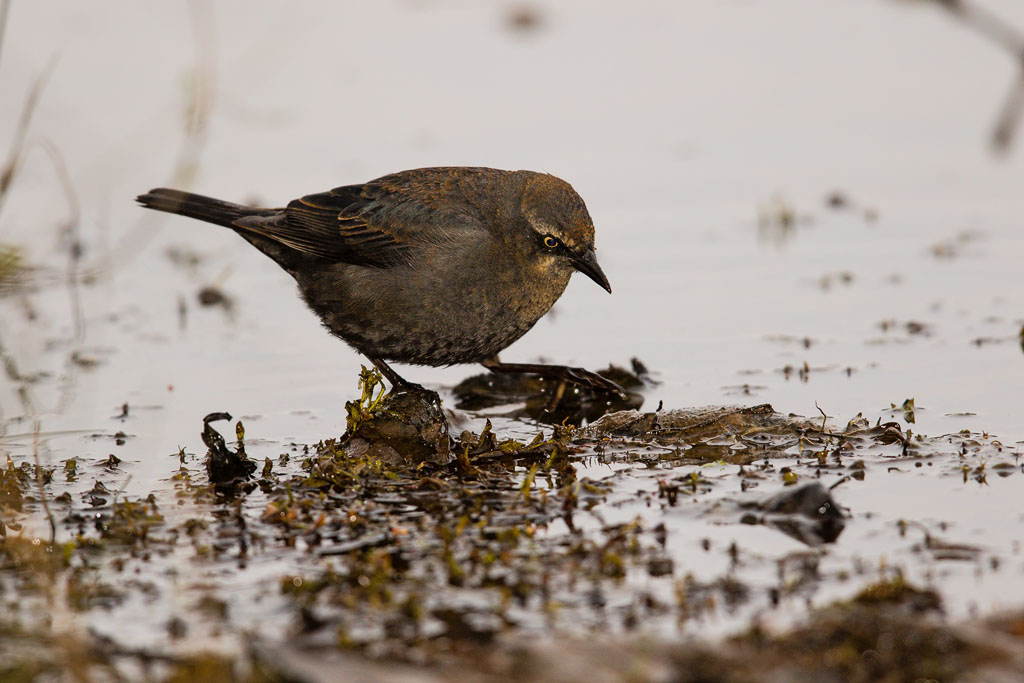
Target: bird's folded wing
360 224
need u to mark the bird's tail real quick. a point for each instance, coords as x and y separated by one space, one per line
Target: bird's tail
206 209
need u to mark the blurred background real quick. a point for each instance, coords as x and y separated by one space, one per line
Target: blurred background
812 203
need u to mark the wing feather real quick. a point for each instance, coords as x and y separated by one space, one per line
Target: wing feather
375 224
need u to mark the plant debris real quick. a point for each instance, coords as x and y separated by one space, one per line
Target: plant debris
526 395
400 545
223 465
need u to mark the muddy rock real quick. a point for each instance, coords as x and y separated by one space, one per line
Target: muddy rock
406 427
697 425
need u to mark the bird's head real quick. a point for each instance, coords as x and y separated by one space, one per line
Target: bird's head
560 228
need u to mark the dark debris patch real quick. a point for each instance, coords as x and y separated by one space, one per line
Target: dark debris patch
224 466
550 402
806 512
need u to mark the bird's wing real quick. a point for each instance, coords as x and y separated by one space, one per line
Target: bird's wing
373 224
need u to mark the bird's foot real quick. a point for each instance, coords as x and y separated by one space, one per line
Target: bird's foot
405 387
399 385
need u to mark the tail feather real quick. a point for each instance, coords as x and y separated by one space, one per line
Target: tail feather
197 206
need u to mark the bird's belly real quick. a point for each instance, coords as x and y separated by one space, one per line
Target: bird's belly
425 320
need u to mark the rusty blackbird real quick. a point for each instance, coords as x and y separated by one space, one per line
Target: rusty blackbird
431 266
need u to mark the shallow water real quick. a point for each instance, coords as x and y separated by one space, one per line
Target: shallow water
689 128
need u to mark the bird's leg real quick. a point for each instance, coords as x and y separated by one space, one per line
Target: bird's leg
413 407
398 385
563 373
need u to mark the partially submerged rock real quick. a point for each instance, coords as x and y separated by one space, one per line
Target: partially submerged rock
696 425
404 427
398 428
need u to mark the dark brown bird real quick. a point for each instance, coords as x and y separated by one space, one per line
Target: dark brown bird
433 266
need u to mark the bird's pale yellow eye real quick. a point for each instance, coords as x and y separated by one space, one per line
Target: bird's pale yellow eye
550 242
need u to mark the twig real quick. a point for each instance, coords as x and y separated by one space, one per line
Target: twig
73 222
987 24
824 417
842 480
197 114
39 484
1009 117
71 237
12 372
5 5
18 143
61 168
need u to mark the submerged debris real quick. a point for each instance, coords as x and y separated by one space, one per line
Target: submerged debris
222 464
527 395
806 512
212 295
524 18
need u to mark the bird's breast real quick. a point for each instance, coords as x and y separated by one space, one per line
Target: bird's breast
442 309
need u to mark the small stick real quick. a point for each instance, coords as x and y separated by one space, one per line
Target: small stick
39 484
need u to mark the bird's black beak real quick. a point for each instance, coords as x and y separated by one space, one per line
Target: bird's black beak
587 264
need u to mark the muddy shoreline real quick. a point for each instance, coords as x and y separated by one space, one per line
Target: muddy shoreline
397 555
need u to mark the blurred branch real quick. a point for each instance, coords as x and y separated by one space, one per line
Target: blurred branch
15 155
39 485
5 5
61 168
200 100
987 24
73 242
198 106
1009 116
1002 33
